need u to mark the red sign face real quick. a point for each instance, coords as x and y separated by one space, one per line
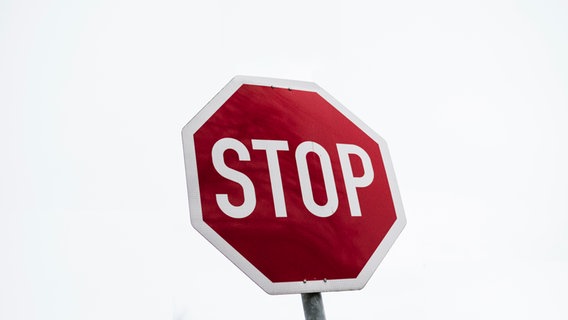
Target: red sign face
290 186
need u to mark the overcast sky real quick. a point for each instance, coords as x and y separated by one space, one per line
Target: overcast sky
472 98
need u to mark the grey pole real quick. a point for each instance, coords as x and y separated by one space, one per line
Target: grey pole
313 306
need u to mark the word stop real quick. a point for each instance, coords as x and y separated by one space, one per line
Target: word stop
272 147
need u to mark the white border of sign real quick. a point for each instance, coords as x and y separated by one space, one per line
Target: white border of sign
251 271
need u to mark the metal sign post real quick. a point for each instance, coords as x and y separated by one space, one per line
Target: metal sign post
313 306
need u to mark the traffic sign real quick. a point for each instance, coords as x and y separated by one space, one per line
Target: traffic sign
293 188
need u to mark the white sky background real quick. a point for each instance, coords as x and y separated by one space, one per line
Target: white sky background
472 99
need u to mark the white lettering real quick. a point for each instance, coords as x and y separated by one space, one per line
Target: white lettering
272 147
351 182
249 203
330 207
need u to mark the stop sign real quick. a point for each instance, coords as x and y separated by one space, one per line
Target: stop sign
294 189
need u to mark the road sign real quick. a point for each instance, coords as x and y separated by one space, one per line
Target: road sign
293 188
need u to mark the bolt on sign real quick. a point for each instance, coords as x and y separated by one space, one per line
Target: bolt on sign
289 185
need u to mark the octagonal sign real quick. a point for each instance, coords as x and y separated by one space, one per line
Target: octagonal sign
294 189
